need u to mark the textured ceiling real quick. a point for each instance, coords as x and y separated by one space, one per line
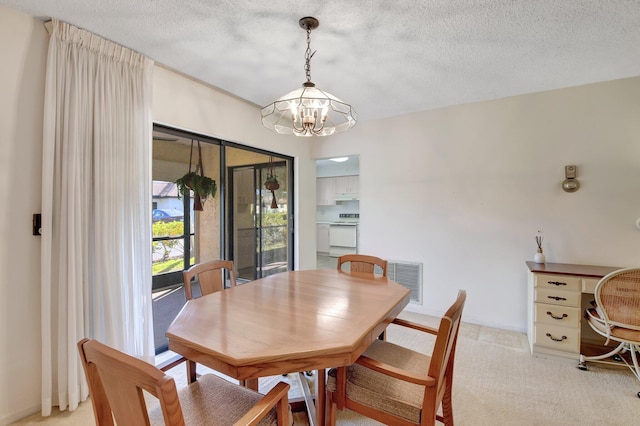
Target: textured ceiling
386 58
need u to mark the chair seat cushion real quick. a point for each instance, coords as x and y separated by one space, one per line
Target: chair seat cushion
396 397
617 333
212 400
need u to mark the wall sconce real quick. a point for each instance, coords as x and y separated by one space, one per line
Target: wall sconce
570 184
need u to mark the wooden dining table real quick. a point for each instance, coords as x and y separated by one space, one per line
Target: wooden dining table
288 322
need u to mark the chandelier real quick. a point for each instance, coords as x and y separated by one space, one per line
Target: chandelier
308 111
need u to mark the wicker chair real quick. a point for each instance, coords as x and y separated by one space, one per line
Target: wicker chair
362 263
398 386
116 381
616 316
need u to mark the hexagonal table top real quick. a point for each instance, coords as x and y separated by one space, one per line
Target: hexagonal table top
288 322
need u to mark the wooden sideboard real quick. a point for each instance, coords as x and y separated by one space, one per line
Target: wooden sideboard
557 297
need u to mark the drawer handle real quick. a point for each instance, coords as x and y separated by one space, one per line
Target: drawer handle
556 283
557 298
555 317
555 339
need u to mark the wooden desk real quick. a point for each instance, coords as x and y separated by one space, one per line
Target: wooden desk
558 294
289 322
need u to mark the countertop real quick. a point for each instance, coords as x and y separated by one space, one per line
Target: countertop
571 269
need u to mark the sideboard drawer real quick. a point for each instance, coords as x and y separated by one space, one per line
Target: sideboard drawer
565 339
589 285
568 316
557 297
558 282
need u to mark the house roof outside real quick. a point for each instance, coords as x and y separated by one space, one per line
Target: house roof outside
164 189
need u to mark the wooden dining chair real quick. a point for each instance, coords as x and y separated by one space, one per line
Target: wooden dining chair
365 264
398 386
116 381
210 275
362 263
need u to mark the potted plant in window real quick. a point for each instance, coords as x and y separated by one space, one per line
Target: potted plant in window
202 186
271 183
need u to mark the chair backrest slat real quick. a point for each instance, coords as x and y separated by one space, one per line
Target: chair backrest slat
210 275
362 263
116 381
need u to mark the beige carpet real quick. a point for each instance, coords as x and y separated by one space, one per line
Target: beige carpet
497 382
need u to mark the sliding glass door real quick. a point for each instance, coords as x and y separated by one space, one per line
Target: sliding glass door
259 221
182 235
273 220
246 222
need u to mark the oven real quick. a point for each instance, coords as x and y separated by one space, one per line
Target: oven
343 239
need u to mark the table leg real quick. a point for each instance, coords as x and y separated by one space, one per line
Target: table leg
321 396
251 384
191 371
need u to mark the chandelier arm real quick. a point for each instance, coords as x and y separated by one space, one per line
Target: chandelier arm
297 129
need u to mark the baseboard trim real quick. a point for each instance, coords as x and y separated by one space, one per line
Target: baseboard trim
14 417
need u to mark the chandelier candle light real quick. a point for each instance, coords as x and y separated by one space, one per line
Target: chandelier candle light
308 111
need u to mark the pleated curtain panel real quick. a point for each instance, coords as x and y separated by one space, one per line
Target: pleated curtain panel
96 207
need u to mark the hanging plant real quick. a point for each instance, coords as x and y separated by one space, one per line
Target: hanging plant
202 186
271 183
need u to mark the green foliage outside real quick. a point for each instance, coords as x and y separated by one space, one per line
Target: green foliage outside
274 233
274 236
171 265
167 229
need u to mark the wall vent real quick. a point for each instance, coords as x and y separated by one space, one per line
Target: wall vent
409 275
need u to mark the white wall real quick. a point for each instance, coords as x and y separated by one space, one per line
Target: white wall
23 44
465 189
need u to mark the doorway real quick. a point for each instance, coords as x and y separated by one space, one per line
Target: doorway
337 209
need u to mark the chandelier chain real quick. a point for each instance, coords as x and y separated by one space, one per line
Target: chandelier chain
308 56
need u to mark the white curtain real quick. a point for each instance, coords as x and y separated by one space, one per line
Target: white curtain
96 207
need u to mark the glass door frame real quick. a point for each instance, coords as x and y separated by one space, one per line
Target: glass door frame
281 159
223 188
258 175
168 280
173 280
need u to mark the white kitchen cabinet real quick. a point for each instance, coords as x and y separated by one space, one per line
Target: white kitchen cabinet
347 184
325 191
322 237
